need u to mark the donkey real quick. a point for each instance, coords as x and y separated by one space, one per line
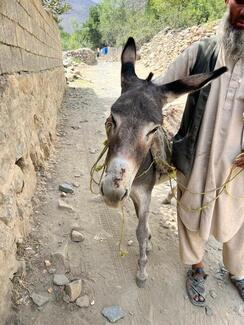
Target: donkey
135 118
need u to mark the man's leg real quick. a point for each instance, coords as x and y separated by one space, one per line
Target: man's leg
233 257
191 252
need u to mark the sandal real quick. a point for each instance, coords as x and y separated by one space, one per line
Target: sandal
195 281
239 284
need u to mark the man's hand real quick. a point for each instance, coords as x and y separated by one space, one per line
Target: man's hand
239 161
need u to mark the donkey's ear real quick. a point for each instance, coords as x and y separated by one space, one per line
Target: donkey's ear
128 59
189 84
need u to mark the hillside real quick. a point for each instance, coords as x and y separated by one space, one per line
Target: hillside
79 13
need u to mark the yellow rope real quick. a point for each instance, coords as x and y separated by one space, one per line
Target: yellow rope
221 189
122 252
97 168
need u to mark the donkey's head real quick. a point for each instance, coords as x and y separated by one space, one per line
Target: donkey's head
134 119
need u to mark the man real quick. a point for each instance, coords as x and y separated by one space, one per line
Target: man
209 144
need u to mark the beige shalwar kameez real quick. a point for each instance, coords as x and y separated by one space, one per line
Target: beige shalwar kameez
220 141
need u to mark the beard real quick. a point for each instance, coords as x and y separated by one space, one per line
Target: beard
231 39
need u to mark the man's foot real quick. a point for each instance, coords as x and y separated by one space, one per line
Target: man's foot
195 286
239 284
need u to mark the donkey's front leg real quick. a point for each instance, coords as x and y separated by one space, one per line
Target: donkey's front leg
141 199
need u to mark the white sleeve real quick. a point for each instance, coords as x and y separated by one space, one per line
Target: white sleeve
180 67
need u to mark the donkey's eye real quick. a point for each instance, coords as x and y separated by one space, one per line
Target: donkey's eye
152 131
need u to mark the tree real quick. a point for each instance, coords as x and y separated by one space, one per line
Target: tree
91 34
56 7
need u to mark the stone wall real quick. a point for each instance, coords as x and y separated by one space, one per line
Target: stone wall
31 89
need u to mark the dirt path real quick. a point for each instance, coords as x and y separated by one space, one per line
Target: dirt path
107 278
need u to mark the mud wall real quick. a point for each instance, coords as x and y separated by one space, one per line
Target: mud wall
31 89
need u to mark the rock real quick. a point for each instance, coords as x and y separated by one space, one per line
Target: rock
63 205
52 271
66 188
213 294
21 268
219 276
130 242
39 300
63 194
240 310
66 299
85 55
208 311
92 303
92 151
83 302
73 289
76 236
113 313
60 279
47 263
50 290
60 259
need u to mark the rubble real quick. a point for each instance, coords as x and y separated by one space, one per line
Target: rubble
84 55
168 44
83 302
39 300
76 236
60 279
73 289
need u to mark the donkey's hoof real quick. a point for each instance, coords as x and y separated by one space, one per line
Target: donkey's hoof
141 282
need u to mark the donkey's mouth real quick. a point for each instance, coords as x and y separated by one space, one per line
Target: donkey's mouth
113 197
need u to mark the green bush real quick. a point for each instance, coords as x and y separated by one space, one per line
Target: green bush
112 21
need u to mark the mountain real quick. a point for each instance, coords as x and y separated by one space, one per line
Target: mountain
79 13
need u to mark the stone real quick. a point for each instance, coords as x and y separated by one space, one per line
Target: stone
63 205
50 290
63 194
21 268
85 55
240 310
92 151
39 300
52 271
213 294
66 299
60 279
113 313
130 242
208 311
73 289
60 259
219 276
83 302
66 188
76 236
47 263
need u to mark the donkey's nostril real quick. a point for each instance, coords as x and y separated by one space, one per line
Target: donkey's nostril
124 196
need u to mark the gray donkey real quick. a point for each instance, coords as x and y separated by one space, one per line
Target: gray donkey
135 118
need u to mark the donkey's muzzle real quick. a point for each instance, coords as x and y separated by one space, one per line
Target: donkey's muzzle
113 195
